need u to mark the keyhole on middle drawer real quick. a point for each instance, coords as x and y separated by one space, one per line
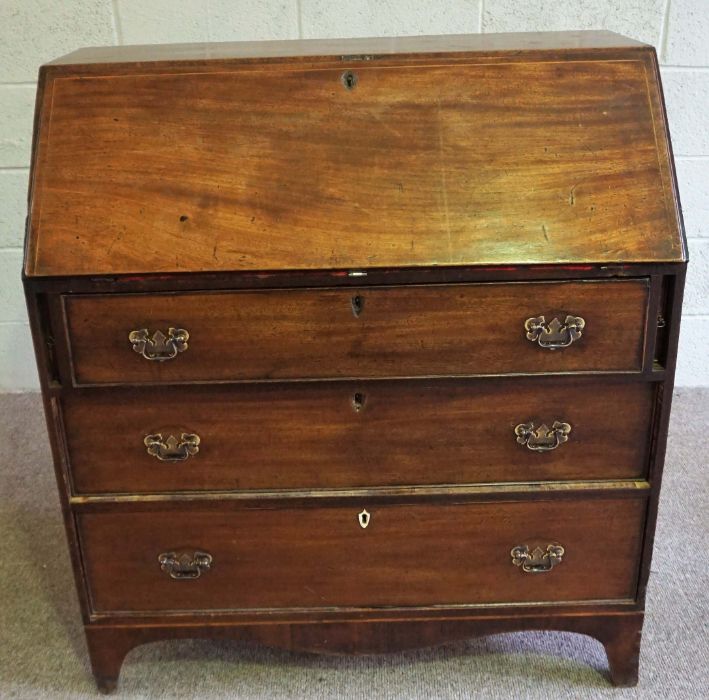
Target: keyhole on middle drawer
358 401
357 304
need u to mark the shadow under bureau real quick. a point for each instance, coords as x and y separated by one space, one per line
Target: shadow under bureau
357 346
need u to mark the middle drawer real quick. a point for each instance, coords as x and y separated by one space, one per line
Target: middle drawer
356 434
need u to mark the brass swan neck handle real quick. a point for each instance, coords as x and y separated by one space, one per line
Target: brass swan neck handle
172 449
539 560
543 438
159 347
555 334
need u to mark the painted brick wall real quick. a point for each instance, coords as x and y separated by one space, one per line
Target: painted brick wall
34 31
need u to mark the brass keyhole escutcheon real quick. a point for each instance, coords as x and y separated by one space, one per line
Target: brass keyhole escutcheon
358 400
364 519
357 305
349 80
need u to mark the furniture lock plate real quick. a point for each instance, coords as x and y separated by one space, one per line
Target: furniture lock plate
349 80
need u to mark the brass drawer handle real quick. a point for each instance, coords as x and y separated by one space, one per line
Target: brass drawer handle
185 566
172 449
538 561
542 439
160 347
555 334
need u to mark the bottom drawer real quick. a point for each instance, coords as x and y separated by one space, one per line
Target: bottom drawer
228 557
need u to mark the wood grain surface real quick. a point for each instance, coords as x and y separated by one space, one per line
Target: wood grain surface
619 632
311 334
516 160
321 557
309 436
455 177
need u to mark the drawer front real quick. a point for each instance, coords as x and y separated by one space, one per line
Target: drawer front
414 555
354 434
358 333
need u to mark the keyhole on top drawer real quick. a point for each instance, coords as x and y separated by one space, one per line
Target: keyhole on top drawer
363 518
358 402
349 80
357 305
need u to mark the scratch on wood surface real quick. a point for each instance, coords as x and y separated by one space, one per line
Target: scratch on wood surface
572 196
386 123
115 240
444 184
546 232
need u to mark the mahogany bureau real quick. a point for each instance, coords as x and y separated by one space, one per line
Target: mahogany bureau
357 346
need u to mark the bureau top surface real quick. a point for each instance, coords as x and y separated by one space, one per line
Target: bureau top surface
371 153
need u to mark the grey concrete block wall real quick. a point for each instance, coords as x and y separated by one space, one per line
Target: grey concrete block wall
166 21
687 97
684 47
325 18
641 19
34 31
13 202
16 114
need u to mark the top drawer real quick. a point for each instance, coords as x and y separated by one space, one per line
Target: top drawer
468 329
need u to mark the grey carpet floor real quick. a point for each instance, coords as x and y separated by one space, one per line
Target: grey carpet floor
42 650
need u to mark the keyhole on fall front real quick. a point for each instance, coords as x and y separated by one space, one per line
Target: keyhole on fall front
363 518
358 402
349 80
357 305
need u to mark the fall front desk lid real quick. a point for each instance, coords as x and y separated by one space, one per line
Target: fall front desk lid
419 152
